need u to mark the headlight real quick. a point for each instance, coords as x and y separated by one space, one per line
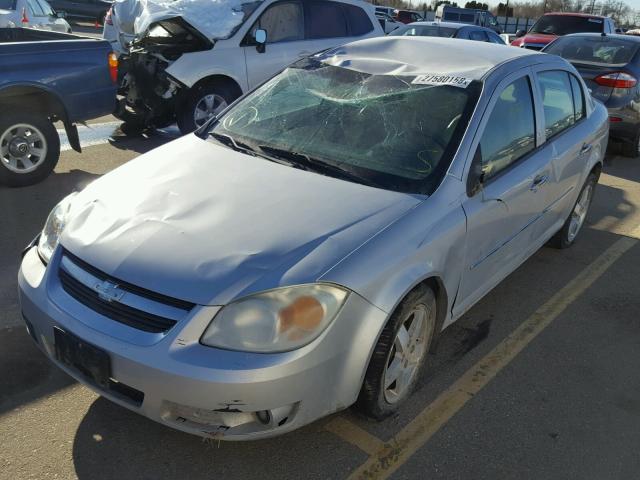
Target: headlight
277 320
53 228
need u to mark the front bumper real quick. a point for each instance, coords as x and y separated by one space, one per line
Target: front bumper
202 390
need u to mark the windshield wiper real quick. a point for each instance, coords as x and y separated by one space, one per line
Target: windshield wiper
242 147
309 163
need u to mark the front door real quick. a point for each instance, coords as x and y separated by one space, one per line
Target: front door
284 24
501 215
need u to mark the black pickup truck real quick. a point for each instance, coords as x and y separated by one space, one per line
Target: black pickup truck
48 77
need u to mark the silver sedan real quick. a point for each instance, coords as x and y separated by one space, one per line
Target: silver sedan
304 251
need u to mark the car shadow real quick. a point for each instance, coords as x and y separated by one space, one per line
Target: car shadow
144 141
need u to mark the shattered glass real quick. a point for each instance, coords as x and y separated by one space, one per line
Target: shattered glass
396 134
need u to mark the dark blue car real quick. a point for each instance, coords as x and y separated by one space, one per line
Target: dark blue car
449 30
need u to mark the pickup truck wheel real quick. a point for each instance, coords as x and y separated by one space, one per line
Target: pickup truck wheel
202 103
29 149
569 231
399 355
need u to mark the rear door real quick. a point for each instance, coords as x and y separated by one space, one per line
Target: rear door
568 135
501 215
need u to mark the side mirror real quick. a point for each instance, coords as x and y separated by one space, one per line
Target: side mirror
520 33
475 179
261 40
61 14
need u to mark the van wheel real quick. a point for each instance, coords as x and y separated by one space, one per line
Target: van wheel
202 103
567 235
29 148
399 355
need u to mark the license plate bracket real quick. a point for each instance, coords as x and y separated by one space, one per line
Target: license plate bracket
90 361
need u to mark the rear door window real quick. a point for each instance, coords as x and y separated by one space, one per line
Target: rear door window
325 20
557 100
578 98
283 22
510 131
359 22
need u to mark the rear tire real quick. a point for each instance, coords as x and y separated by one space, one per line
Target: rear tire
29 148
384 389
568 234
202 102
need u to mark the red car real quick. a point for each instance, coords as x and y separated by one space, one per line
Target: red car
406 16
553 25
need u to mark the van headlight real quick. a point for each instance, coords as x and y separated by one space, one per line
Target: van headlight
53 228
277 320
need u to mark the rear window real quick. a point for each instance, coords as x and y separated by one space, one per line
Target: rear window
424 31
565 24
598 50
359 22
8 4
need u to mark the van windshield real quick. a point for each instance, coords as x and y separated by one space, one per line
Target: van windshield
380 130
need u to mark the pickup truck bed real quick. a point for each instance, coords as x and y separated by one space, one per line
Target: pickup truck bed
47 77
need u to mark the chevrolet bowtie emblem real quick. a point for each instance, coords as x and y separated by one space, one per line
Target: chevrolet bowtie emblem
109 291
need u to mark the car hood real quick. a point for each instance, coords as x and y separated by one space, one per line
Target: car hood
199 222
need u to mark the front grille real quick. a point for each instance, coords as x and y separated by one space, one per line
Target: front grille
117 310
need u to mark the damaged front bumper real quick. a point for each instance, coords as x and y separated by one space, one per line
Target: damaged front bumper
173 379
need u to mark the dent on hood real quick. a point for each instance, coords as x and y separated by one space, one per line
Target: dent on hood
202 223
214 18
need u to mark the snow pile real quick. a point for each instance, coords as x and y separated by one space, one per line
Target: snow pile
214 18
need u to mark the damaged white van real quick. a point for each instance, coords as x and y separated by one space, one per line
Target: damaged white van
187 60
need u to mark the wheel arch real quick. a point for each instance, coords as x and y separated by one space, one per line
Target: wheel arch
39 99
220 79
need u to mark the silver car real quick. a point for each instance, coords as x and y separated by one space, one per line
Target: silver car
36 14
304 251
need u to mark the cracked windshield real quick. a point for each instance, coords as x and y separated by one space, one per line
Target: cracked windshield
380 130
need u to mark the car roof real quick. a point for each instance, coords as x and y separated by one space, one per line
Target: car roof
569 14
608 35
405 56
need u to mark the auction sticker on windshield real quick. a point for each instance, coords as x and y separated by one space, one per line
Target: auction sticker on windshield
434 79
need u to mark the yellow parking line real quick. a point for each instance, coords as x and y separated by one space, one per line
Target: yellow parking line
397 451
355 435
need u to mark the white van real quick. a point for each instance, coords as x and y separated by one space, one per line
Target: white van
188 67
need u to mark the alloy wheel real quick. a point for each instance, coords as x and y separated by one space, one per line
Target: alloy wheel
207 107
580 212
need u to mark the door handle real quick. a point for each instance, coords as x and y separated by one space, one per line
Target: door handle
586 148
538 182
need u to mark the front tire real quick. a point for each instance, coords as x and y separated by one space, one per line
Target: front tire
567 235
399 355
201 103
29 148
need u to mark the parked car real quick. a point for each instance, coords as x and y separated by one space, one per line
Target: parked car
176 71
553 25
36 14
48 77
470 16
610 67
407 16
451 30
304 250
387 22
95 10
385 10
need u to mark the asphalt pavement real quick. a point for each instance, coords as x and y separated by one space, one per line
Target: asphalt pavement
538 381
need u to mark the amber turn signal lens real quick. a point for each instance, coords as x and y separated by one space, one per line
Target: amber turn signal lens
305 313
113 67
